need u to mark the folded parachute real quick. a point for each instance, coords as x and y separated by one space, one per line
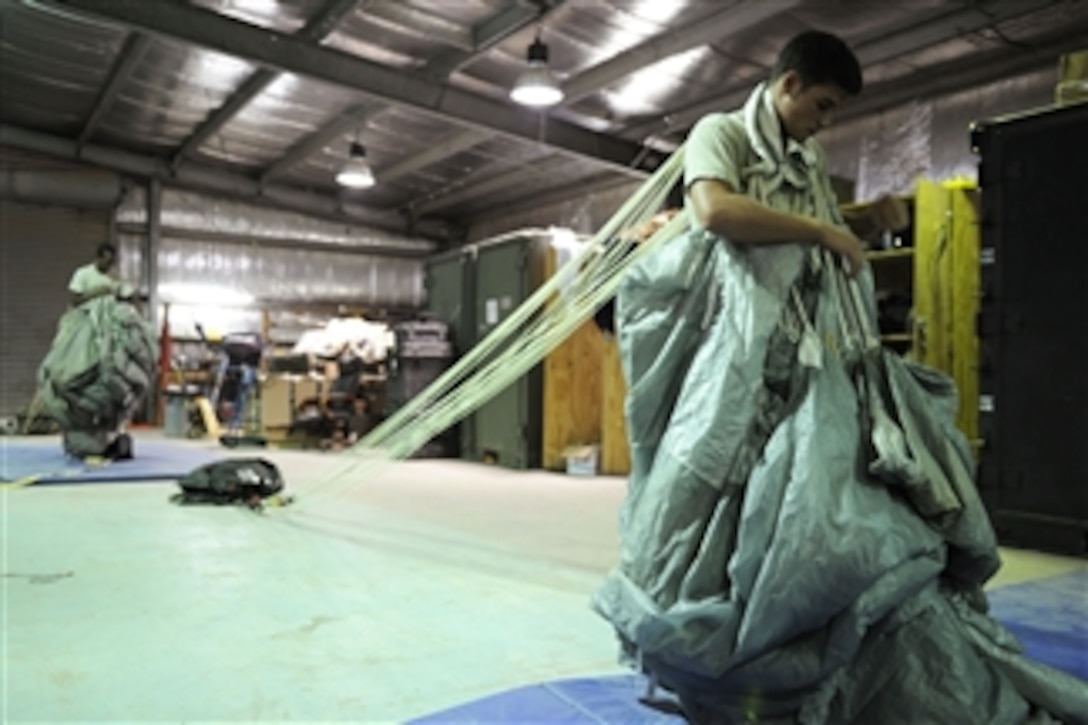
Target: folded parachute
100 366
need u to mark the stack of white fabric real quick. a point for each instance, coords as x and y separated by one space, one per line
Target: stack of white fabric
352 337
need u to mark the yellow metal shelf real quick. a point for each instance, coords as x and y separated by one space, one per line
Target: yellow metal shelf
854 207
885 254
939 274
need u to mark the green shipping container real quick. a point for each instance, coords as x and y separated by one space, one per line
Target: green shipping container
473 289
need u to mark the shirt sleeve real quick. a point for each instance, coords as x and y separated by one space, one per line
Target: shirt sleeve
715 150
88 279
78 283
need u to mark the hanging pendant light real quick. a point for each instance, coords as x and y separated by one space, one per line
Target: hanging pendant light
537 86
356 173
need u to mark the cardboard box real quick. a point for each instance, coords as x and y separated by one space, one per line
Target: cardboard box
281 396
583 460
308 387
277 405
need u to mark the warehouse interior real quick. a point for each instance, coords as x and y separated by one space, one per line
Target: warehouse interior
318 207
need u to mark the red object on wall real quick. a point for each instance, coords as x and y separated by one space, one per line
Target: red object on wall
166 354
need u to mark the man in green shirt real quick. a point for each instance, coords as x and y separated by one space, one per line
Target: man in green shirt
94 280
815 74
771 569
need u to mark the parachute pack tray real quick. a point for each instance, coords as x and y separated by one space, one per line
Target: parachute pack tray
44 461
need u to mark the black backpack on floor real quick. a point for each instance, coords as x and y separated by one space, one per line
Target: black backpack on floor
237 480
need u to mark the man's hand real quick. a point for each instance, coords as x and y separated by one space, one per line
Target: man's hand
845 244
649 227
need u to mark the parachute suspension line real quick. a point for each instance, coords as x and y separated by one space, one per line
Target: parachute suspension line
536 327
599 247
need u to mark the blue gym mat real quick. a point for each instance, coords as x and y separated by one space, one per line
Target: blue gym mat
45 459
588 700
1049 617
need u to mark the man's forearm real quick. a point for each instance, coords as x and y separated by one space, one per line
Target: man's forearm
747 221
78 298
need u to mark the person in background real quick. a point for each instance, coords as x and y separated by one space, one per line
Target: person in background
94 280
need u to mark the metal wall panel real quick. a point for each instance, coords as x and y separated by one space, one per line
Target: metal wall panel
291 275
246 279
40 247
886 152
188 215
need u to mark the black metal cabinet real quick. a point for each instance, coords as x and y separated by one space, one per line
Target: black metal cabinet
1033 472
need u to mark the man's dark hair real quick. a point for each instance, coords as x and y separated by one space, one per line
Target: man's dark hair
820 58
106 247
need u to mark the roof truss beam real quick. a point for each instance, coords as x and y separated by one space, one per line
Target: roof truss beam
870 51
501 181
449 147
408 19
132 52
486 34
282 52
217 181
318 140
317 28
731 21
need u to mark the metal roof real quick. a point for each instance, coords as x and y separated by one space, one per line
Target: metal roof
261 98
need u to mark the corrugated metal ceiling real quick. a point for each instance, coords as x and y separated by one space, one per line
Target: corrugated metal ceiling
175 84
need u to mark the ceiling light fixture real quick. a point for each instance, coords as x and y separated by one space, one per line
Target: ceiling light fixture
537 86
356 173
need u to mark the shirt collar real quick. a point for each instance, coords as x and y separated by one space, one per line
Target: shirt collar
795 150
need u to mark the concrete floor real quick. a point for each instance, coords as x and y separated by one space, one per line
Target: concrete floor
433 583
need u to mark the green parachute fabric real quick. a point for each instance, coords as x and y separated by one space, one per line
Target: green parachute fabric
100 366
